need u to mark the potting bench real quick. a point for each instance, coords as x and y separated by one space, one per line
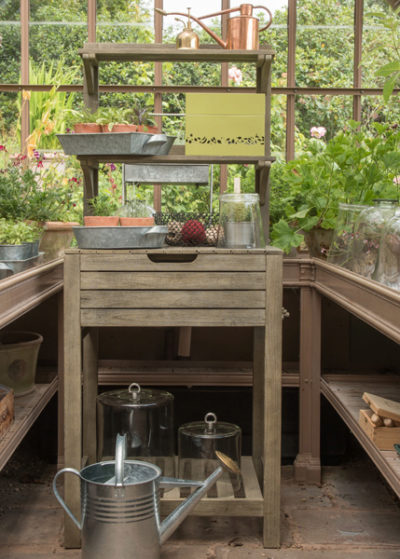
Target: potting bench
177 287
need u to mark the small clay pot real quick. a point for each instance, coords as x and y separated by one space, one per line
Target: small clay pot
101 220
124 128
136 221
87 128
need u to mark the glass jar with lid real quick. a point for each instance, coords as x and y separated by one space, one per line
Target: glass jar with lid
388 271
341 248
368 232
197 443
146 417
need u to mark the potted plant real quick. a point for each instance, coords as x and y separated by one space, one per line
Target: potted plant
143 121
354 167
103 206
85 121
104 119
19 240
136 214
42 190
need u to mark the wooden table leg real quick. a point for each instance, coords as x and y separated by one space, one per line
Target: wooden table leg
272 400
307 463
90 368
72 395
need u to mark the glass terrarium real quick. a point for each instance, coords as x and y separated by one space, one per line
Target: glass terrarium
146 416
341 248
197 443
388 271
240 221
368 231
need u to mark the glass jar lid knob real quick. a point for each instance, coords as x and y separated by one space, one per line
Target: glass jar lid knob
210 419
134 389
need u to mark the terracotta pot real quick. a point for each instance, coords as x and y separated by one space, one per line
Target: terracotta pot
57 236
87 128
318 242
101 220
151 129
137 221
124 128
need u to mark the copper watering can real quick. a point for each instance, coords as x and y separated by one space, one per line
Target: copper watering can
243 30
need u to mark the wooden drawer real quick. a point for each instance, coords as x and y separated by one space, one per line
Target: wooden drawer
173 260
175 288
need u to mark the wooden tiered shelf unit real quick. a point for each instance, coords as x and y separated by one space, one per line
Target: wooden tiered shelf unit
19 294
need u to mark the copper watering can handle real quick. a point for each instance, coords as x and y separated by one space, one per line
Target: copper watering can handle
239 8
268 12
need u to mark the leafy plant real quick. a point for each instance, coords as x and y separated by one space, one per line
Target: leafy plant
35 189
48 109
18 232
391 70
355 166
105 203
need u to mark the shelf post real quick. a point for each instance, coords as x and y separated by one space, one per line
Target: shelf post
267 390
307 464
72 395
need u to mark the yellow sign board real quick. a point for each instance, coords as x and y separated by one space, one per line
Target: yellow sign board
225 124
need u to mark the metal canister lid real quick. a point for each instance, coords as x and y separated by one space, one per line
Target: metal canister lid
135 397
210 428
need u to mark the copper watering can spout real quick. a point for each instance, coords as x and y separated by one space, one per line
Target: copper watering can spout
243 30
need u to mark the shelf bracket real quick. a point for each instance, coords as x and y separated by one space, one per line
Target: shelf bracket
90 172
91 81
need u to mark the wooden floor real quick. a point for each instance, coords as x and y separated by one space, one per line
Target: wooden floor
352 515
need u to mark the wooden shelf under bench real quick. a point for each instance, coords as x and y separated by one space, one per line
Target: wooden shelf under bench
27 410
345 392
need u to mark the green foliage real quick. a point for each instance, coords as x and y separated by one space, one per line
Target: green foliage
105 203
355 166
48 109
36 190
391 70
18 232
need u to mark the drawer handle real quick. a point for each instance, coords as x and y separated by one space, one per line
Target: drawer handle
160 258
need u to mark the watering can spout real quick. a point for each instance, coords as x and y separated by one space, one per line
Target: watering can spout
169 525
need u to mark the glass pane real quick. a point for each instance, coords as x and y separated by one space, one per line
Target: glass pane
325 43
374 109
327 112
10 45
172 27
276 36
377 42
278 125
9 121
56 33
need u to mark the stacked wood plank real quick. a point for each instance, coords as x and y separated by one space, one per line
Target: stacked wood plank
381 422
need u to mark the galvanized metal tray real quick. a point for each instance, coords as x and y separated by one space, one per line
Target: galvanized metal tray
10 267
120 237
116 143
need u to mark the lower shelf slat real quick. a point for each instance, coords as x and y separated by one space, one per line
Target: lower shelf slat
27 410
346 397
225 499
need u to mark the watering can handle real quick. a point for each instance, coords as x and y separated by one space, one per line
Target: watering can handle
60 499
120 455
268 12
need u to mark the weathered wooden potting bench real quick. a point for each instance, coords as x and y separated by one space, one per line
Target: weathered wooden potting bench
177 287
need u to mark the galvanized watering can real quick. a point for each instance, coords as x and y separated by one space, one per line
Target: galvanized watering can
120 505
